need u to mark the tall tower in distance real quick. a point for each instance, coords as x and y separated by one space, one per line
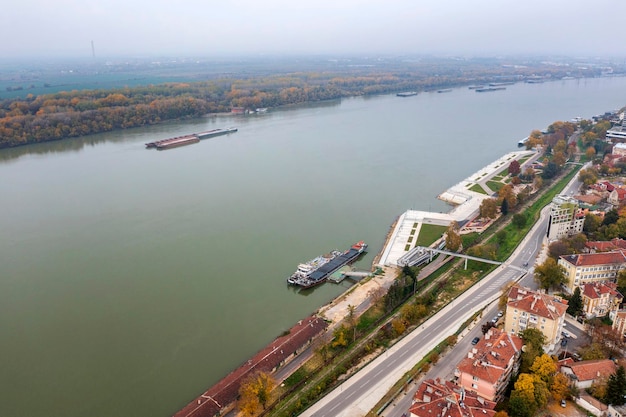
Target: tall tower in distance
93 50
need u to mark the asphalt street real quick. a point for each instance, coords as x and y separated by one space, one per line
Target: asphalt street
358 395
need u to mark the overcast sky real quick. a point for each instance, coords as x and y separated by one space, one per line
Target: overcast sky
65 28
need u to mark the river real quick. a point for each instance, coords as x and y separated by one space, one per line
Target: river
132 279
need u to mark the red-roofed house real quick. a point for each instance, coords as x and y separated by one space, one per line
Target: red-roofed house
605 245
599 299
528 309
607 186
437 399
585 373
489 365
586 268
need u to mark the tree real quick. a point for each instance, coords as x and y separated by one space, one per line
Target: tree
616 387
559 387
590 153
588 176
352 320
575 305
501 236
550 170
592 222
340 339
504 207
544 367
534 341
519 220
611 216
520 406
507 193
255 391
530 389
514 168
559 158
550 274
525 386
558 248
489 208
453 238
621 281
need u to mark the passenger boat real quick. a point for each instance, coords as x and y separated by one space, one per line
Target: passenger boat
317 270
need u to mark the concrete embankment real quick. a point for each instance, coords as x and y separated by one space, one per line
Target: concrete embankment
462 195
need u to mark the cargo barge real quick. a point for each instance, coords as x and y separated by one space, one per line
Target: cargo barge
319 269
407 94
188 139
487 89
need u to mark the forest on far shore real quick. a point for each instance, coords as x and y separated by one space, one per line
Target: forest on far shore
66 114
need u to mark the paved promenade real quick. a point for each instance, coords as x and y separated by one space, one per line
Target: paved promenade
467 207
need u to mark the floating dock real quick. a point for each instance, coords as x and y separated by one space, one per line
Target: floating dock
188 139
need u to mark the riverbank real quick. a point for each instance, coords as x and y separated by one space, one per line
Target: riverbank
221 396
462 195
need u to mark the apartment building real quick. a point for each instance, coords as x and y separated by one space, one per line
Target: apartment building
444 399
566 218
489 365
587 268
528 309
599 299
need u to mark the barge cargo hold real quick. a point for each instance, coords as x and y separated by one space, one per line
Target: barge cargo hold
488 89
314 273
188 139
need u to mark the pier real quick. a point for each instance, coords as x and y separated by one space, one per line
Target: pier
461 195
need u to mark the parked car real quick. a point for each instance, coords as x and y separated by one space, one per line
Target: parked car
475 340
563 403
565 334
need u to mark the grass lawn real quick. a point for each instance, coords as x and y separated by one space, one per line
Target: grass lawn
504 172
429 233
495 186
478 189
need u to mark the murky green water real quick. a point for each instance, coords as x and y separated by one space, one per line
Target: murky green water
132 279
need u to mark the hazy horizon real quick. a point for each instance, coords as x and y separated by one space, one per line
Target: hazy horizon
66 28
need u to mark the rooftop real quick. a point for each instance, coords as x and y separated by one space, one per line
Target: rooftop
537 303
589 259
490 358
590 370
436 399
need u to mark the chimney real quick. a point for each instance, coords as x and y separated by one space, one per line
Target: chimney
532 305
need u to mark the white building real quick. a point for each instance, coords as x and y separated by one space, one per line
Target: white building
619 149
566 219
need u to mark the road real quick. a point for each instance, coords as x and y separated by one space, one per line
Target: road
358 395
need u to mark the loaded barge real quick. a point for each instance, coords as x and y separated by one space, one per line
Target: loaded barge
319 269
188 139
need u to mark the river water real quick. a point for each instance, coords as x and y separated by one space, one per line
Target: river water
132 279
